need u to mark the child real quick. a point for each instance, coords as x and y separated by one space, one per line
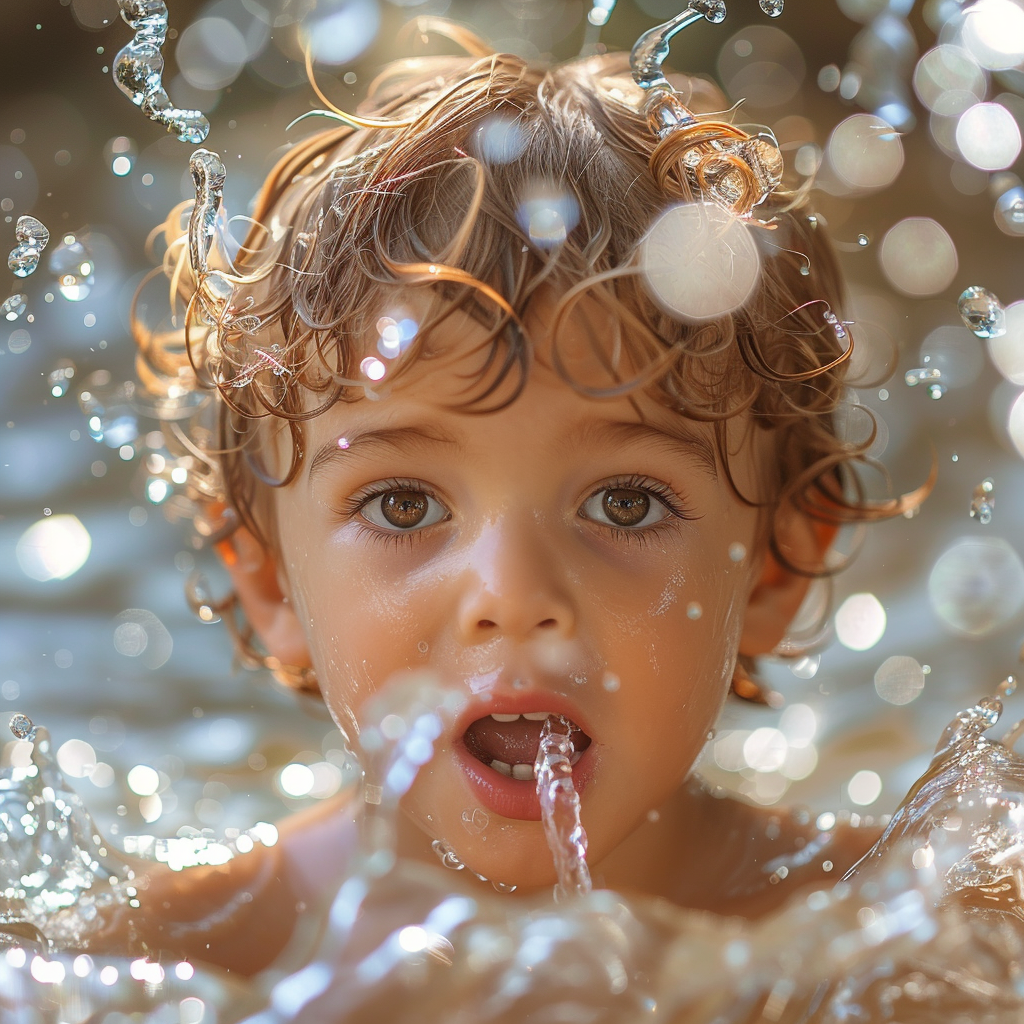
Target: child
460 424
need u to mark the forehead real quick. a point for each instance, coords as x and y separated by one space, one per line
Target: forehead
427 407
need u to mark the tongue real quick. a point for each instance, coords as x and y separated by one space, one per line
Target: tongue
512 742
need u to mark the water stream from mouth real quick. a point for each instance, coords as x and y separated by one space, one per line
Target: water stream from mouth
560 808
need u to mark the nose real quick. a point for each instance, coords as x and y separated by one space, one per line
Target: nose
514 585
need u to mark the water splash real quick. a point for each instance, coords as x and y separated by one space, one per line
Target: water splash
560 808
208 176
982 312
983 501
928 925
32 238
139 67
57 874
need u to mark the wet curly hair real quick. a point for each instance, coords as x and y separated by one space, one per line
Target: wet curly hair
407 194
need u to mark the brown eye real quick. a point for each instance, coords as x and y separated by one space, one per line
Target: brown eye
404 509
626 507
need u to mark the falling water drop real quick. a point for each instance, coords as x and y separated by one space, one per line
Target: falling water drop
982 312
773 8
32 238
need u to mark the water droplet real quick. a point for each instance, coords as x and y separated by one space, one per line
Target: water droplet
475 821
32 237
713 10
982 312
694 611
14 306
773 8
22 727
737 551
983 501
936 391
1008 687
611 682
422 646
72 265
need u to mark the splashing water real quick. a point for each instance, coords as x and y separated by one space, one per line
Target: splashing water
982 312
32 238
926 928
57 875
560 808
139 67
983 501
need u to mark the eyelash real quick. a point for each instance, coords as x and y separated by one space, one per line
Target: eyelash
677 510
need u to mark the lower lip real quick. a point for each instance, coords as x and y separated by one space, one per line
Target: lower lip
511 798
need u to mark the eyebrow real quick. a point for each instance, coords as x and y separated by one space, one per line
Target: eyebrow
686 443
410 439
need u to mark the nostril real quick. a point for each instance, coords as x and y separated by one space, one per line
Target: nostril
486 624
547 623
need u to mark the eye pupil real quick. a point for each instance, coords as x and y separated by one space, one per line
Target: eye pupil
626 507
404 508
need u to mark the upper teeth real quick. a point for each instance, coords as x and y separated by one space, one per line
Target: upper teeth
530 716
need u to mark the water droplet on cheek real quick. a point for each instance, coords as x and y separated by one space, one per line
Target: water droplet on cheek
611 682
737 551
423 647
694 611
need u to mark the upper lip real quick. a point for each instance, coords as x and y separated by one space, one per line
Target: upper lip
506 700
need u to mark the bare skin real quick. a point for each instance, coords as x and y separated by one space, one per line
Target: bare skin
528 555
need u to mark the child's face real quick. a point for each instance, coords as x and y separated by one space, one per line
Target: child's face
556 556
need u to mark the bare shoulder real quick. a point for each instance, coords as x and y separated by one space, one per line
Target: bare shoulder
774 851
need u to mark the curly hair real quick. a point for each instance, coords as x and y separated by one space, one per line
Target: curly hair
409 195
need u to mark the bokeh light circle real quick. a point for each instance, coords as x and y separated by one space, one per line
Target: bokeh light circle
918 256
899 679
988 137
865 151
1007 351
945 76
860 622
977 585
53 548
700 262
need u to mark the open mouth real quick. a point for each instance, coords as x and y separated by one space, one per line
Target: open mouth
508 743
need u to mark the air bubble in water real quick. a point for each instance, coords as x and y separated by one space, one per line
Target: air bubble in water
14 306
982 312
32 238
72 265
983 501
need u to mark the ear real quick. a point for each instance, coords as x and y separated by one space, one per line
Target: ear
779 592
254 571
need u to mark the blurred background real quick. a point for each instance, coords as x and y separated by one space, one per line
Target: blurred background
907 117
